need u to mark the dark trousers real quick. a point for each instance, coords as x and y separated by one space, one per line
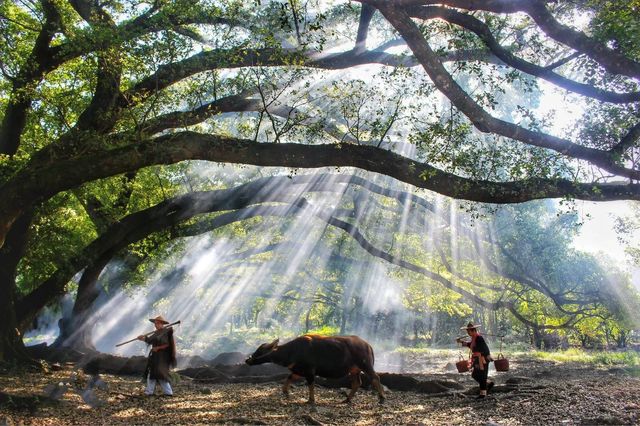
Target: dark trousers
480 376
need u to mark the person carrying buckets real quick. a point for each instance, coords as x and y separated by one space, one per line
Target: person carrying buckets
480 357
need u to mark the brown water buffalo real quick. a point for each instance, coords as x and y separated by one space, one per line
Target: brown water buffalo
325 356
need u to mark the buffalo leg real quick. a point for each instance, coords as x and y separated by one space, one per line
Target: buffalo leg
310 382
287 383
375 381
355 385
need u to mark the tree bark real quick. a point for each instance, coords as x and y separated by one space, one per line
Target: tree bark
483 120
11 345
75 332
34 185
173 211
15 116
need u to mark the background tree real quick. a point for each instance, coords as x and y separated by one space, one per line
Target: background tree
98 98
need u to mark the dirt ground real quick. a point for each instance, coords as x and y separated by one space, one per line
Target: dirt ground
539 393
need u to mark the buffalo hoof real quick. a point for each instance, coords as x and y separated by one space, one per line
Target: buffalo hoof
346 401
381 401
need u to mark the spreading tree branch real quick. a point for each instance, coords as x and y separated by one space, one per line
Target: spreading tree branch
481 119
483 31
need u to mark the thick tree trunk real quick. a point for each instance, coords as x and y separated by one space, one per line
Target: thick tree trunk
75 332
11 345
621 339
537 337
307 320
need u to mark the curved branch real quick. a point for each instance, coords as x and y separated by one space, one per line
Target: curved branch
15 114
612 61
34 185
233 103
481 119
482 30
497 6
366 13
178 209
177 119
171 73
629 140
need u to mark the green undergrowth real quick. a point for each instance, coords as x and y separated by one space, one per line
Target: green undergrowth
208 345
604 358
426 352
629 360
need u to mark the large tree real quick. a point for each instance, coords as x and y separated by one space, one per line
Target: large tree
527 269
94 90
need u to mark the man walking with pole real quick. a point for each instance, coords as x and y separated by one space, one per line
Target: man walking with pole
480 357
161 357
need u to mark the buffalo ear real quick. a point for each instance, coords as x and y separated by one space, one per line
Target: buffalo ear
274 343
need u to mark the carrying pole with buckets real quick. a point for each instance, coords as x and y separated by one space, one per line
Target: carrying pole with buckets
479 359
462 365
501 363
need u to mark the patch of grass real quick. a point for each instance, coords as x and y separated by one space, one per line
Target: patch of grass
325 330
625 359
633 371
403 350
29 403
628 358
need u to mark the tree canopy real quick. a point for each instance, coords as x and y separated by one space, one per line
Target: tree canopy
104 103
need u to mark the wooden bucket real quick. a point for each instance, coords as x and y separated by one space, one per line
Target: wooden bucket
501 363
462 365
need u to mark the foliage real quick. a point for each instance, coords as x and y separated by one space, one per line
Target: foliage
59 230
616 23
103 105
627 228
597 358
561 397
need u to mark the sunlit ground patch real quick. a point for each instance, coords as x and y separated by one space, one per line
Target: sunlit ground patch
559 394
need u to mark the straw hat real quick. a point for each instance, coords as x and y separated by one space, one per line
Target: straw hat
470 326
159 318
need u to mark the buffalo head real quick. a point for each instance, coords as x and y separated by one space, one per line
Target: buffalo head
261 355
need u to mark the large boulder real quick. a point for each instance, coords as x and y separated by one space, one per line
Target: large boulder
192 361
57 354
398 381
106 363
229 358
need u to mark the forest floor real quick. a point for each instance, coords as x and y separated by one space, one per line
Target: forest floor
545 392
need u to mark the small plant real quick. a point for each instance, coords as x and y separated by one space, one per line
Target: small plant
626 359
325 330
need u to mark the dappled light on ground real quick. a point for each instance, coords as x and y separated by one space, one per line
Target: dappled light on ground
534 392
